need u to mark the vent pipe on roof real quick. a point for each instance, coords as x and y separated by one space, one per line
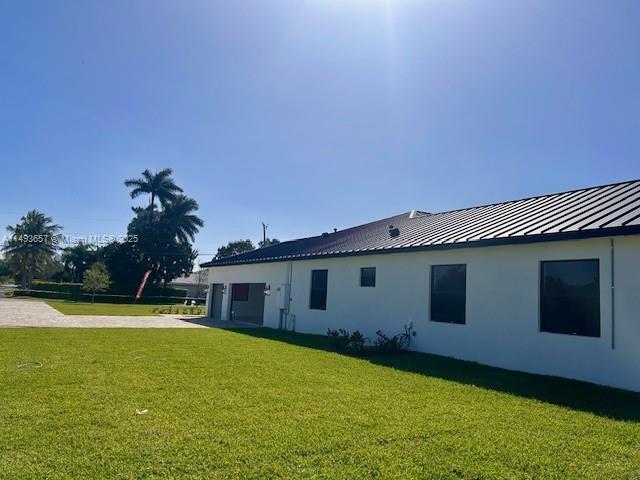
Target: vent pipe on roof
413 214
393 231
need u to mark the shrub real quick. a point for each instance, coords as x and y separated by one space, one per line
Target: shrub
356 342
116 293
338 338
343 340
397 343
178 310
85 297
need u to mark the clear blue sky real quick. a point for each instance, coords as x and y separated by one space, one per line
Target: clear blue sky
311 114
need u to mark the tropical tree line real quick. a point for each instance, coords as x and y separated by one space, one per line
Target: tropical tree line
164 232
159 239
236 247
31 245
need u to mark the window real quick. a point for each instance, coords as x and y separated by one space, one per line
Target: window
570 297
368 277
240 292
448 293
318 297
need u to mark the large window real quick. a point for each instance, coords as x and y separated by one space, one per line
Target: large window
570 297
368 277
448 293
318 297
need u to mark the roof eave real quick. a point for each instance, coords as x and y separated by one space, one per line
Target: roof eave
519 240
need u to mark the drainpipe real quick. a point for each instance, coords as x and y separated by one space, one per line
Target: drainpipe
287 296
613 295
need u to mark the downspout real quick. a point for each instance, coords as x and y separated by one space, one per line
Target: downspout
613 295
287 298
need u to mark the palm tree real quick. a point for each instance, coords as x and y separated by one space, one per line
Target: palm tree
33 242
160 185
78 259
179 218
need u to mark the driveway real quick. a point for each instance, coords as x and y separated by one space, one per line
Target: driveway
35 313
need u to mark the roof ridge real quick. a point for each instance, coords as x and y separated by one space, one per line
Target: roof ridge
330 233
399 215
532 197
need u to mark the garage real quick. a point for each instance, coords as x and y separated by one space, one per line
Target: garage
247 302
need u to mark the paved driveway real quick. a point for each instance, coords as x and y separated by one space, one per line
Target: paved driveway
35 313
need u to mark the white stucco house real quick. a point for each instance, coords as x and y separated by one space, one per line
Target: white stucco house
195 284
548 284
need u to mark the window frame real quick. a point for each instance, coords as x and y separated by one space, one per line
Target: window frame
362 270
431 292
540 297
312 289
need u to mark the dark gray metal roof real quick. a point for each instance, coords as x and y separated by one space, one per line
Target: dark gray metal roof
606 210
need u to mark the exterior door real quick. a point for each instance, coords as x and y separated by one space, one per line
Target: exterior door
216 301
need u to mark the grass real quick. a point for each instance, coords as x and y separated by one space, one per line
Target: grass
68 307
267 404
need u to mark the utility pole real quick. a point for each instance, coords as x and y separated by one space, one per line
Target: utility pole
264 233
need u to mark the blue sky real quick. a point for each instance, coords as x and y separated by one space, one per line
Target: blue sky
311 114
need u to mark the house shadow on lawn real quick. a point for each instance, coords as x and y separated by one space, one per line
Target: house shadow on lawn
587 397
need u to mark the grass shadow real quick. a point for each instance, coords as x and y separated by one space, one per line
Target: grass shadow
587 397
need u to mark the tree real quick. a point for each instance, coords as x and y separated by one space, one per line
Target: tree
124 261
78 259
96 279
159 185
202 277
179 218
268 242
158 248
235 247
33 242
50 268
5 271
163 233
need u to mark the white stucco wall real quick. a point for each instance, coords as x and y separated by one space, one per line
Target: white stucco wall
502 307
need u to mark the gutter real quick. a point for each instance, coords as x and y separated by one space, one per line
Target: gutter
613 294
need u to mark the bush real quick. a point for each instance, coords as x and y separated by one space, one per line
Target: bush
356 342
397 343
152 294
100 298
178 310
343 340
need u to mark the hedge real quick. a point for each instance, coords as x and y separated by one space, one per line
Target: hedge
100 298
114 289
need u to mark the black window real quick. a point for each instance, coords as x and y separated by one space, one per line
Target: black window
570 297
240 292
368 277
318 298
448 293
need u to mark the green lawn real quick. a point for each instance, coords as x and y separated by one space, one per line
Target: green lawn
84 308
265 404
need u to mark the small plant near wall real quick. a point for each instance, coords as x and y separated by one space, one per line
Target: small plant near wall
357 343
397 343
341 339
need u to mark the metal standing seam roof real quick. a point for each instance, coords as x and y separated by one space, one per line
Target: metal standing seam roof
606 210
